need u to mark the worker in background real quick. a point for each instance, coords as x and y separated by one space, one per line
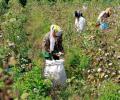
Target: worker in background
52 44
102 20
79 21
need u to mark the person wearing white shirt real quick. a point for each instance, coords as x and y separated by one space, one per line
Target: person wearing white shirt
80 21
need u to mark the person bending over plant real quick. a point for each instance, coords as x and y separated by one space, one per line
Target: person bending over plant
52 44
102 20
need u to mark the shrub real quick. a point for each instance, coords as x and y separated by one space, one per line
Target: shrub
33 83
76 58
76 61
3 7
7 1
4 51
109 91
13 28
23 2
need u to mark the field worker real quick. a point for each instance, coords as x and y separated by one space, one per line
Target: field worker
52 45
79 21
102 20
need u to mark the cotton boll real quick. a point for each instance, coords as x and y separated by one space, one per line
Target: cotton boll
11 44
106 76
110 64
118 57
1 35
113 73
93 70
100 49
88 71
119 72
18 37
35 90
106 54
99 70
108 71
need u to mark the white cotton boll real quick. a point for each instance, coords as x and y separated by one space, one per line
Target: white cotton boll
106 76
80 24
10 44
113 73
110 64
18 37
1 35
35 90
88 71
99 70
119 72
93 70
100 49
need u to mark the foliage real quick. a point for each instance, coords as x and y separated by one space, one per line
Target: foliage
32 83
4 51
14 29
3 7
109 91
23 2
77 62
25 28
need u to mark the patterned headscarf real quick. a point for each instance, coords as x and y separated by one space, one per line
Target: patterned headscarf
58 32
108 10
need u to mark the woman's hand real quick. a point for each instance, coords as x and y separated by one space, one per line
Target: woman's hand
59 54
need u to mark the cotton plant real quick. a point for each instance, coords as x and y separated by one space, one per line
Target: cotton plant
15 35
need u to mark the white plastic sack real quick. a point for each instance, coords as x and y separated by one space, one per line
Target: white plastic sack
54 70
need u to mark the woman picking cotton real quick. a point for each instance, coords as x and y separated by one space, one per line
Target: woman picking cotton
102 20
52 50
79 21
52 44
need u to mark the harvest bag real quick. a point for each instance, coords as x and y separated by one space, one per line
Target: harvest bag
54 70
104 26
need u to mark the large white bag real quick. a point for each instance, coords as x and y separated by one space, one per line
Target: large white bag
54 70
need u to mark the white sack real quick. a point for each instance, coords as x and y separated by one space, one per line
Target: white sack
54 70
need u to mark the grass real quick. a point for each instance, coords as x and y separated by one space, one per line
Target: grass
81 50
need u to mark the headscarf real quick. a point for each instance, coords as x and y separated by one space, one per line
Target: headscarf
103 13
58 32
108 10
